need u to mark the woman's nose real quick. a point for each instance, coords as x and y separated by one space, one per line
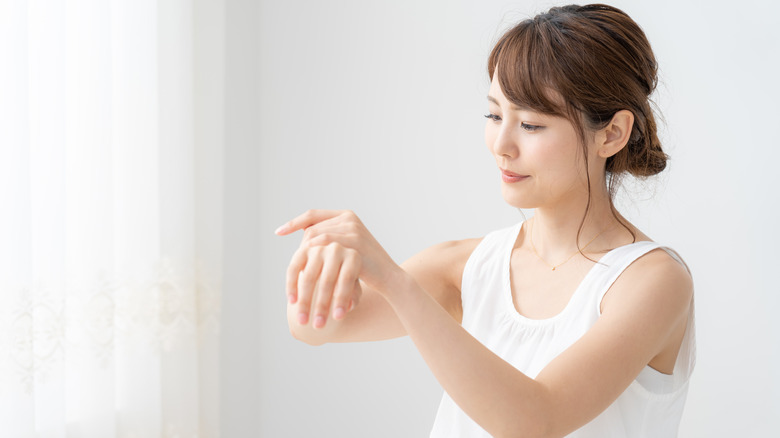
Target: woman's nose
505 144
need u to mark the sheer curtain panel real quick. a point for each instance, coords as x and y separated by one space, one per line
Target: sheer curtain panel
110 228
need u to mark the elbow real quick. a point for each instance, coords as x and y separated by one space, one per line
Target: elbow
306 339
539 420
300 333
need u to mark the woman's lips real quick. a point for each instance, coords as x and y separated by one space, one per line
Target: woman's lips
511 177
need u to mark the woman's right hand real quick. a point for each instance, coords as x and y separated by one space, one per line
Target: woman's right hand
323 278
322 281
339 264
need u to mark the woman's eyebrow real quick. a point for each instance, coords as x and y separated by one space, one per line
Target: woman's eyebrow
513 106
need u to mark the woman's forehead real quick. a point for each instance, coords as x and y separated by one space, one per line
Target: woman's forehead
497 96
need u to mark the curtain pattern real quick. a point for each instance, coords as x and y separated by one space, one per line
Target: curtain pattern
110 228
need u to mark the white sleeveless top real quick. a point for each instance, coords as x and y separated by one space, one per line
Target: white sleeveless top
650 407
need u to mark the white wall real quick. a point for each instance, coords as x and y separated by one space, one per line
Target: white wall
242 334
377 107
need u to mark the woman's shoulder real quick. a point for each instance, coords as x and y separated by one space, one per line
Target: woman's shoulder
662 264
457 252
438 270
443 263
654 294
449 256
660 274
457 248
659 261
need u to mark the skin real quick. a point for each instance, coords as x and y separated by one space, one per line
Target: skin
343 286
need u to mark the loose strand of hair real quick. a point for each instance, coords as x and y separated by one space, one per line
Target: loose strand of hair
587 206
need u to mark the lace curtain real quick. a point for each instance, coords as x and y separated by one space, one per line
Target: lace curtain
110 228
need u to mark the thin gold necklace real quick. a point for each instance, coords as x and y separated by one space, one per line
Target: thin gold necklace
531 238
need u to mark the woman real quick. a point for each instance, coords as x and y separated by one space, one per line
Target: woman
571 323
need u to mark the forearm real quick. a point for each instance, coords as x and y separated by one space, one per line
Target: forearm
372 320
501 399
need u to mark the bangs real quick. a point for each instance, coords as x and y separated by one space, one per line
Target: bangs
527 71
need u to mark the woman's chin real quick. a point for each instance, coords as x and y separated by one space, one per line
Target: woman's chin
519 202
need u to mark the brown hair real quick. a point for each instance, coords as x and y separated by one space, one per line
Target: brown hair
600 61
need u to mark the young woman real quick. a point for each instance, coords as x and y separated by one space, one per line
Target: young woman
571 323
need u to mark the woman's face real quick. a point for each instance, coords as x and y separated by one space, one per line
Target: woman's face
538 155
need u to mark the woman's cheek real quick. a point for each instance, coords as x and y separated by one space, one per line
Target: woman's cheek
490 137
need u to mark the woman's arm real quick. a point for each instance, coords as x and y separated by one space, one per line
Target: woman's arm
640 316
437 269
647 304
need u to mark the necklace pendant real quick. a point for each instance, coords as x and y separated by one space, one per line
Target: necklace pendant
554 268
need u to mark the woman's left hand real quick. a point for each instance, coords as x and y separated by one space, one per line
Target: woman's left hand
336 252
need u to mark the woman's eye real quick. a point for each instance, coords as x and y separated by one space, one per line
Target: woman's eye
530 128
493 117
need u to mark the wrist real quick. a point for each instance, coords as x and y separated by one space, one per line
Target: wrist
395 283
402 287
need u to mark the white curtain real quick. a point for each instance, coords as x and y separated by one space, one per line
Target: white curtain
110 218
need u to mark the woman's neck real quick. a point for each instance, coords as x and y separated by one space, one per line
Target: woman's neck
553 231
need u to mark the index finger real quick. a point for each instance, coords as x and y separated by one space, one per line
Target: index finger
311 217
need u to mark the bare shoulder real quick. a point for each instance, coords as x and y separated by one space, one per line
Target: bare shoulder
439 269
446 260
655 277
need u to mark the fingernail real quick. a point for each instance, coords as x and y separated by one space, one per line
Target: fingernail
291 298
281 229
338 313
319 321
302 318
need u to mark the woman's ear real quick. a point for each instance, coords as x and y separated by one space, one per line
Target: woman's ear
616 134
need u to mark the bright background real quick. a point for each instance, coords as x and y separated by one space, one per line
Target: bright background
377 107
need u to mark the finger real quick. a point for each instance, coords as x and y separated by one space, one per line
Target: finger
344 293
297 263
306 282
326 226
344 240
341 224
357 292
307 219
325 283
